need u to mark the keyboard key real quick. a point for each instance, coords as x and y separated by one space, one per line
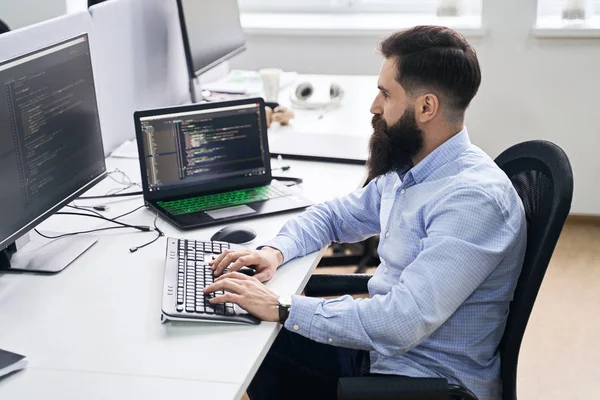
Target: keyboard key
219 309
190 308
179 308
229 310
200 308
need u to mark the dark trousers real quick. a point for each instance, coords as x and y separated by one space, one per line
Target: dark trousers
299 368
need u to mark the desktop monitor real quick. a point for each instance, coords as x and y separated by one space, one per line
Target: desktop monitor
50 149
212 33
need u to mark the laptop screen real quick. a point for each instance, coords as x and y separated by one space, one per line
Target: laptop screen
203 146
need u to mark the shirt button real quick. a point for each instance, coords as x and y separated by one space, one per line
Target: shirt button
385 270
387 234
330 340
403 191
296 327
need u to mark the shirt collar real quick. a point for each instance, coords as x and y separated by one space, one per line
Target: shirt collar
442 155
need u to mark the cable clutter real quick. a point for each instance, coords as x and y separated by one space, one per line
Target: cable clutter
92 211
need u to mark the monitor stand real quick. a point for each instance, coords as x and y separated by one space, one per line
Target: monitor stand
32 253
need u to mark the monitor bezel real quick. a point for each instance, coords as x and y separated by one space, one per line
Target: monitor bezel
192 72
209 187
4 243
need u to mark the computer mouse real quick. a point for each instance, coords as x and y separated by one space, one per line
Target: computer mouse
234 234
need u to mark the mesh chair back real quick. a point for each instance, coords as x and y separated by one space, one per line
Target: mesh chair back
541 173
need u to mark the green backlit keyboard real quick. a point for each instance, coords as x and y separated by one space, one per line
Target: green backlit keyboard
221 200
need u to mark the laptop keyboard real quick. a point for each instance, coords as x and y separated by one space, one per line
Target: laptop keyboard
221 200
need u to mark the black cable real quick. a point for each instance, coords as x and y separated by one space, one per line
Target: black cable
296 181
78 233
143 228
129 212
85 210
160 234
110 195
100 207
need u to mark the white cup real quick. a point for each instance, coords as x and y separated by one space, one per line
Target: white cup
270 79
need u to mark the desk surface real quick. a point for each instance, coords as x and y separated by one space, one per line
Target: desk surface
94 329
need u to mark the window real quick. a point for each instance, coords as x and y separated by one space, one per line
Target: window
466 7
554 8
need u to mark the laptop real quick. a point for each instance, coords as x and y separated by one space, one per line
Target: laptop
209 163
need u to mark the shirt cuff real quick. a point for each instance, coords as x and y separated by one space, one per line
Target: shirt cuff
301 314
286 245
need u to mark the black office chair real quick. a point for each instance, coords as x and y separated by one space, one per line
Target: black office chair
3 27
541 173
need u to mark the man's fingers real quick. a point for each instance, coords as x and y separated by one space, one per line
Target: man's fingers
217 260
263 276
234 276
229 285
244 261
228 259
226 298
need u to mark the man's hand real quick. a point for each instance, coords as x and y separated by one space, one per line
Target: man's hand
248 293
265 261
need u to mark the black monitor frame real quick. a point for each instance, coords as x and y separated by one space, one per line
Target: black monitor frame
7 244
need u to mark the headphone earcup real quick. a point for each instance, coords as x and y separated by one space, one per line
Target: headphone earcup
304 91
335 91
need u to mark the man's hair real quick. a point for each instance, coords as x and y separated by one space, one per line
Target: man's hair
436 59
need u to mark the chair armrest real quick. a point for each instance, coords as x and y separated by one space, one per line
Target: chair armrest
392 387
337 285
386 387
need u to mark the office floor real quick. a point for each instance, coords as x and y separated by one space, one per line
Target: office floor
560 355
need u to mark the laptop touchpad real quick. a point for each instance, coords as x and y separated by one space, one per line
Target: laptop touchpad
230 212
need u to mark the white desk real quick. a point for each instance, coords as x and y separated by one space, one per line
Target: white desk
337 132
94 331
47 384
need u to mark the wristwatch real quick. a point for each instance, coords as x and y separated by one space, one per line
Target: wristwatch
284 303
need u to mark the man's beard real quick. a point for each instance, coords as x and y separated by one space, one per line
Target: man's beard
393 147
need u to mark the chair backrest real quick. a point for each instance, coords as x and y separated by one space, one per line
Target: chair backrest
541 173
3 27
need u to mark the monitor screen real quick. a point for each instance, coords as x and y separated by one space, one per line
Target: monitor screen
50 139
203 146
212 32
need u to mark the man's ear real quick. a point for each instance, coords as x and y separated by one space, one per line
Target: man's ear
427 107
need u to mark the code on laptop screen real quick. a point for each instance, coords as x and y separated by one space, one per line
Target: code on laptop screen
202 146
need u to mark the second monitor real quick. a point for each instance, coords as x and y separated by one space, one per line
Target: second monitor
212 33
50 148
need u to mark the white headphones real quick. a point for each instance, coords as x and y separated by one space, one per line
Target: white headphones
305 96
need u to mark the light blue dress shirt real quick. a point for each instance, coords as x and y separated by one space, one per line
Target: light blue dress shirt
453 236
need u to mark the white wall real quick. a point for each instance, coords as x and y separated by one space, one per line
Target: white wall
532 88
20 13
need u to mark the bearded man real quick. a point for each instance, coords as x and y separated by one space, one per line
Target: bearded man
452 241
